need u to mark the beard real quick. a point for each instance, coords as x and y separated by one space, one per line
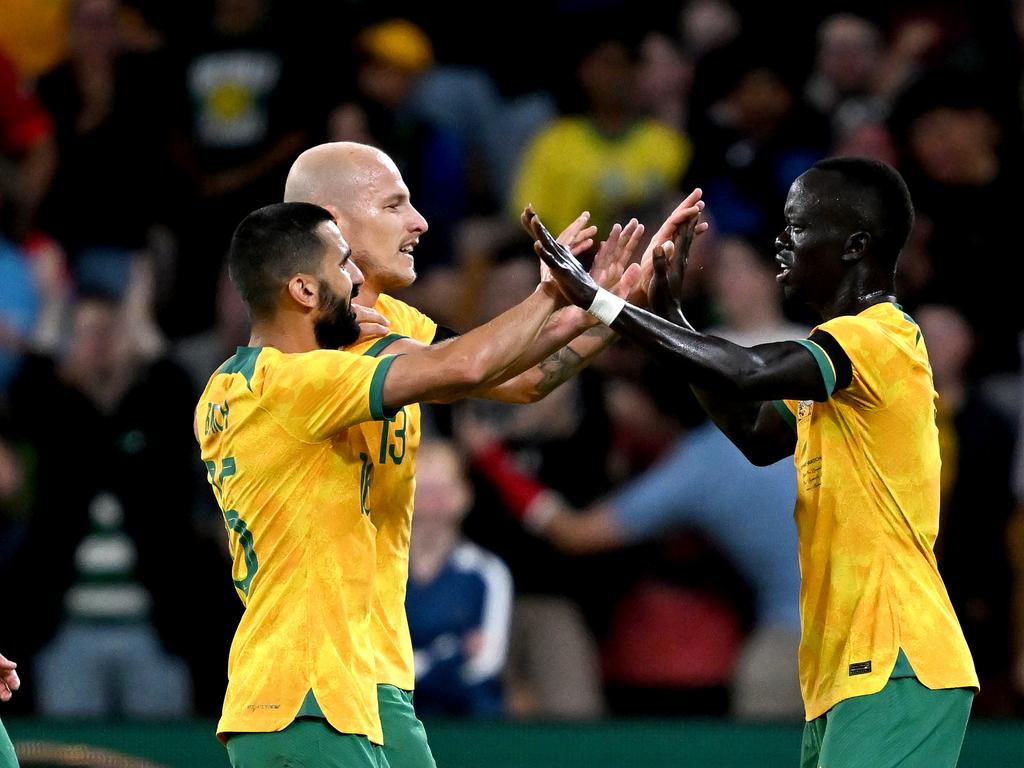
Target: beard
337 326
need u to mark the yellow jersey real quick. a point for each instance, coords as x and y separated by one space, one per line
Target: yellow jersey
867 514
274 434
391 446
572 166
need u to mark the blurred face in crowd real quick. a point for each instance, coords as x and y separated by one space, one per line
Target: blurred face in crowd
97 344
608 76
956 146
949 341
849 49
93 29
443 495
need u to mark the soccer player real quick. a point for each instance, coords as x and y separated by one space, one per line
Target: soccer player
278 430
364 190
9 683
886 675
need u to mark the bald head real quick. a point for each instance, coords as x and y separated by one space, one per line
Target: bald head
363 189
328 174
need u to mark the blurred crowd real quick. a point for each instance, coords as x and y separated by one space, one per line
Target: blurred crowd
134 136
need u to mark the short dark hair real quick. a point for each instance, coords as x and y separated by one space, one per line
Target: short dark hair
882 197
272 245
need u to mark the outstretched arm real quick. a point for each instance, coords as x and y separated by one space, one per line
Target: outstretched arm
585 338
582 338
758 427
767 372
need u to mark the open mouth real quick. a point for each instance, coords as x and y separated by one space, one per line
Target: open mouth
786 267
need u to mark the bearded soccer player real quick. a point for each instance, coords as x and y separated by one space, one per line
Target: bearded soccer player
365 191
886 675
276 426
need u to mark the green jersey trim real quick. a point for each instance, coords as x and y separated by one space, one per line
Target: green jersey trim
383 343
377 410
243 362
827 373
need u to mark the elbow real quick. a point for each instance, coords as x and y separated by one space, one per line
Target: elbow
524 394
759 458
467 374
759 454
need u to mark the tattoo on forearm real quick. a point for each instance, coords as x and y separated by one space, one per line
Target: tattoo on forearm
566 362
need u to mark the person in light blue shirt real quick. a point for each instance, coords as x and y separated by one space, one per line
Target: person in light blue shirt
703 482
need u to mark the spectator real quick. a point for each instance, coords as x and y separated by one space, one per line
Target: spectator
460 596
610 159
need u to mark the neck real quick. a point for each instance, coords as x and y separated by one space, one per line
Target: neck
861 289
368 295
429 551
288 332
611 120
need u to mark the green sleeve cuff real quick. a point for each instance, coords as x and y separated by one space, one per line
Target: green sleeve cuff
785 413
828 374
377 410
383 343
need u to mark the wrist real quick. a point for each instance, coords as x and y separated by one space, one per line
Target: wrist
606 306
549 290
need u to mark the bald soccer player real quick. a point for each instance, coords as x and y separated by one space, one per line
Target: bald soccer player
364 190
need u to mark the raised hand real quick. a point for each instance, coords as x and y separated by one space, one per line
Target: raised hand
9 681
578 236
563 268
670 230
616 253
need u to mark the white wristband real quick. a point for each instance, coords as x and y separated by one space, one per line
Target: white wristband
606 306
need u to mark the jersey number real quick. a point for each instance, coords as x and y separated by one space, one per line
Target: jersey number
396 449
234 521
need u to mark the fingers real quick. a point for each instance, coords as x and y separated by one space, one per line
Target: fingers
526 219
690 206
629 282
9 680
575 231
370 330
633 237
369 315
542 234
605 254
582 246
371 322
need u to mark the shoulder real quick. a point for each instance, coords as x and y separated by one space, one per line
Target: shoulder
472 559
398 312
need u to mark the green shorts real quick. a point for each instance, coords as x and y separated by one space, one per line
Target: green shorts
309 742
405 740
905 724
7 757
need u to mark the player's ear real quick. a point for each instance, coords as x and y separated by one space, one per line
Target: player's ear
304 290
857 245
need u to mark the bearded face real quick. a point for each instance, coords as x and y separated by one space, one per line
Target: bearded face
337 326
